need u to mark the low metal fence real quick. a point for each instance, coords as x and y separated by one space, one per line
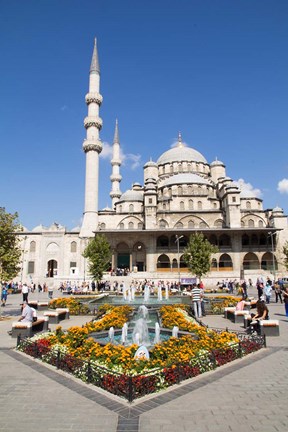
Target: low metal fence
132 387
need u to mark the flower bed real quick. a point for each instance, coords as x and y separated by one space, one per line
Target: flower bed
75 307
114 368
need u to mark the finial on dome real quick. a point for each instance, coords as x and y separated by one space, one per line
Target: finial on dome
95 68
179 140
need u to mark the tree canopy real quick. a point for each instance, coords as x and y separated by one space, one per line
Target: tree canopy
197 254
98 252
10 250
285 252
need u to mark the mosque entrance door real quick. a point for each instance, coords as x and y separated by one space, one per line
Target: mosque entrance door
123 260
52 268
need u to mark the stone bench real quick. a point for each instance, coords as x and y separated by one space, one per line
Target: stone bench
229 312
269 328
39 305
57 315
239 315
27 329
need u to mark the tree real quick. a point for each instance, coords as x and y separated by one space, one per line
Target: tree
285 252
98 252
197 254
10 250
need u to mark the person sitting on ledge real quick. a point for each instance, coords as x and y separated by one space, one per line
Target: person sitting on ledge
261 314
27 313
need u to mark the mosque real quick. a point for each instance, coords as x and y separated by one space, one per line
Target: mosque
149 225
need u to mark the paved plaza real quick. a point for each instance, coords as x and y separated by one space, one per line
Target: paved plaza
250 394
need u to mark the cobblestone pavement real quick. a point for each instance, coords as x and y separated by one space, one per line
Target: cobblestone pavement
248 394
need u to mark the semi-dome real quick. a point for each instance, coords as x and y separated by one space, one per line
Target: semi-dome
186 178
181 153
132 195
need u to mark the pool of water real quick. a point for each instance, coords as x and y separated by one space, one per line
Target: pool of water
119 300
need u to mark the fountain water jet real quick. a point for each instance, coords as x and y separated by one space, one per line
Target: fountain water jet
124 334
175 331
157 334
140 334
111 334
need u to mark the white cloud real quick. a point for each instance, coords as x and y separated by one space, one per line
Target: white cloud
64 108
248 187
130 159
283 186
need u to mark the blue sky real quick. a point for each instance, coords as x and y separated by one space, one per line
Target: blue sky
215 70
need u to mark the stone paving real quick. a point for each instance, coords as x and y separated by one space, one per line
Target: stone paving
248 394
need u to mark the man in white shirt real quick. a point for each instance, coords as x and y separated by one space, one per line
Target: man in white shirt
27 313
25 291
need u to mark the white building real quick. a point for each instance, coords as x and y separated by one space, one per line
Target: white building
181 193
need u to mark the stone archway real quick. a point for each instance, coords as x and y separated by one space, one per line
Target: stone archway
52 268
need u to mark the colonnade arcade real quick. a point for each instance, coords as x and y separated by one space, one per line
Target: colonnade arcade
163 254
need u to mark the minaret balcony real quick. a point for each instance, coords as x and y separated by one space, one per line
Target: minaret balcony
116 177
115 194
94 97
93 121
89 145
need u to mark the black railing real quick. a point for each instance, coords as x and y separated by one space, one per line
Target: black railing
136 386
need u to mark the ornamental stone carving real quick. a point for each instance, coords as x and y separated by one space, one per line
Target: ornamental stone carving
93 121
93 97
92 146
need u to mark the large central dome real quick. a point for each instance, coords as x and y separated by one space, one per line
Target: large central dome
181 153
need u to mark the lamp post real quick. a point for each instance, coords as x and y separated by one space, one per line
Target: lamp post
178 257
271 234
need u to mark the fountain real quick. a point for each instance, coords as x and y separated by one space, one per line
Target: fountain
143 311
146 293
175 331
111 335
157 334
129 295
140 334
124 334
166 293
160 293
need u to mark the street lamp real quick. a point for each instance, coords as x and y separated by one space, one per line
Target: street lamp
178 257
271 234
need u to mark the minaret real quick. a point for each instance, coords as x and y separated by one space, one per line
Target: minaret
92 147
116 163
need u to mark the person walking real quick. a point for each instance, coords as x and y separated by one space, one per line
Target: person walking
196 300
285 298
4 295
278 292
267 292
25 291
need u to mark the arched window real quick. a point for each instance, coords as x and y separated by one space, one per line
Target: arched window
251 223
199 205
260 224
213 240
224 240
121 226
131 225
131 208
248 204
190 190
250 262
269 262
218 223
33 246
163 224
202 225
180 190
190 204
120 208
181 205
225 263
140 225
163 262
73 247
103 226
191 224
179 225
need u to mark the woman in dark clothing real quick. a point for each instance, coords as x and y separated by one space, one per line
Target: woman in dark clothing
261 314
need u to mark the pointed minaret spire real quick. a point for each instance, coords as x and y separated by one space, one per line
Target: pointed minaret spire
92 147
115 177
116 133
95 68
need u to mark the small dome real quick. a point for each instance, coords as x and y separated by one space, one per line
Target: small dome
150 164
132 195
277 210
76 229
217 163
184 179
39 228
